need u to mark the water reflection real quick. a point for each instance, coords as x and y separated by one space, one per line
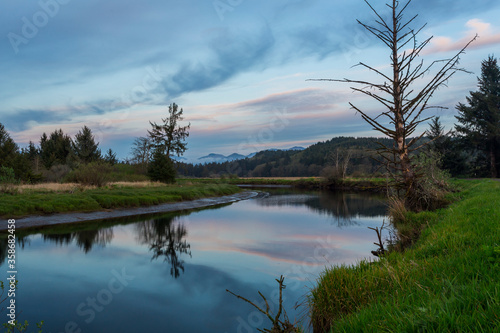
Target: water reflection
343 207
85 240
4 247
165 238
21 241
242 247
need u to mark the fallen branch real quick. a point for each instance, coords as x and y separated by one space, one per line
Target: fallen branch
381 250
279 326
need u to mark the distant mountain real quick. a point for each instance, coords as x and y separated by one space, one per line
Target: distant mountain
235 156
296 148
179 158
219 158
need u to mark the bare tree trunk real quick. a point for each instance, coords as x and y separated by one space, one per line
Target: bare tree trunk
399 121
345 163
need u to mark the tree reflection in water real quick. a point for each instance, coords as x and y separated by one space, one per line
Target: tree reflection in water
85 240
4 248
165 238
343 207
21 242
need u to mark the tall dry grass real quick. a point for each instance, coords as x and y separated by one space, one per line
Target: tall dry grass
71 187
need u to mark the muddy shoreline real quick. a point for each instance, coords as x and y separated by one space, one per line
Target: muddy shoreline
79 217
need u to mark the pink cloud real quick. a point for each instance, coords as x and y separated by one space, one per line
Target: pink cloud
487 36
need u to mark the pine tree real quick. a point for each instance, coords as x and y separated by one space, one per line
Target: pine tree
8 148
55 149
85 147
479 121
162 168
437 137
169 137
110 157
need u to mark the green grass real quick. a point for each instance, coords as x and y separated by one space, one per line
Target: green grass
47 202
369 184
243 181
449 281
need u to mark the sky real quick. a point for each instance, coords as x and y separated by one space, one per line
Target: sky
238 68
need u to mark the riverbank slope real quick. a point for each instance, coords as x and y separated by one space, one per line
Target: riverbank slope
449 281
66 199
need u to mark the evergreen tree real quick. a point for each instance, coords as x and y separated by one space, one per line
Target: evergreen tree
162 168
110 157
85 147
436 135
13 158
479 121
450 152
8 148
169 137
55 149
33 154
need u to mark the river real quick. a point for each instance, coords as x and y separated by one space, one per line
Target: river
170 272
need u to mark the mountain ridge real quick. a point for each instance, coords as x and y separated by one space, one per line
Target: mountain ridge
219 158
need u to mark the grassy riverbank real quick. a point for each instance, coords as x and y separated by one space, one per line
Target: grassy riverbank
361 184
449 281
64 198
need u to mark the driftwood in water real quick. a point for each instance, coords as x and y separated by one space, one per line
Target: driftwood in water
279 325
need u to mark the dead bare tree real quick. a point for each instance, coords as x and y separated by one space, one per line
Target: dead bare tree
341 160
399 95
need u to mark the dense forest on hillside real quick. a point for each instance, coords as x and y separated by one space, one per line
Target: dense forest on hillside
307 163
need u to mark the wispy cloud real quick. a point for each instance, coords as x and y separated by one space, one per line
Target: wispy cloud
488 36
231 53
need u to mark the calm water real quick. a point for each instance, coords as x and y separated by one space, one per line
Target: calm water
169 273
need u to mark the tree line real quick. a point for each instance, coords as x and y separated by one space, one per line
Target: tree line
470 149
58 157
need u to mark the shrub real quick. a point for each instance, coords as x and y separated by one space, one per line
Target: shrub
162 169
56 173
433 183
93 174
126 172
332 175
8 181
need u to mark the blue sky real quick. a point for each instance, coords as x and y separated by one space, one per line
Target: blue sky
238 68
